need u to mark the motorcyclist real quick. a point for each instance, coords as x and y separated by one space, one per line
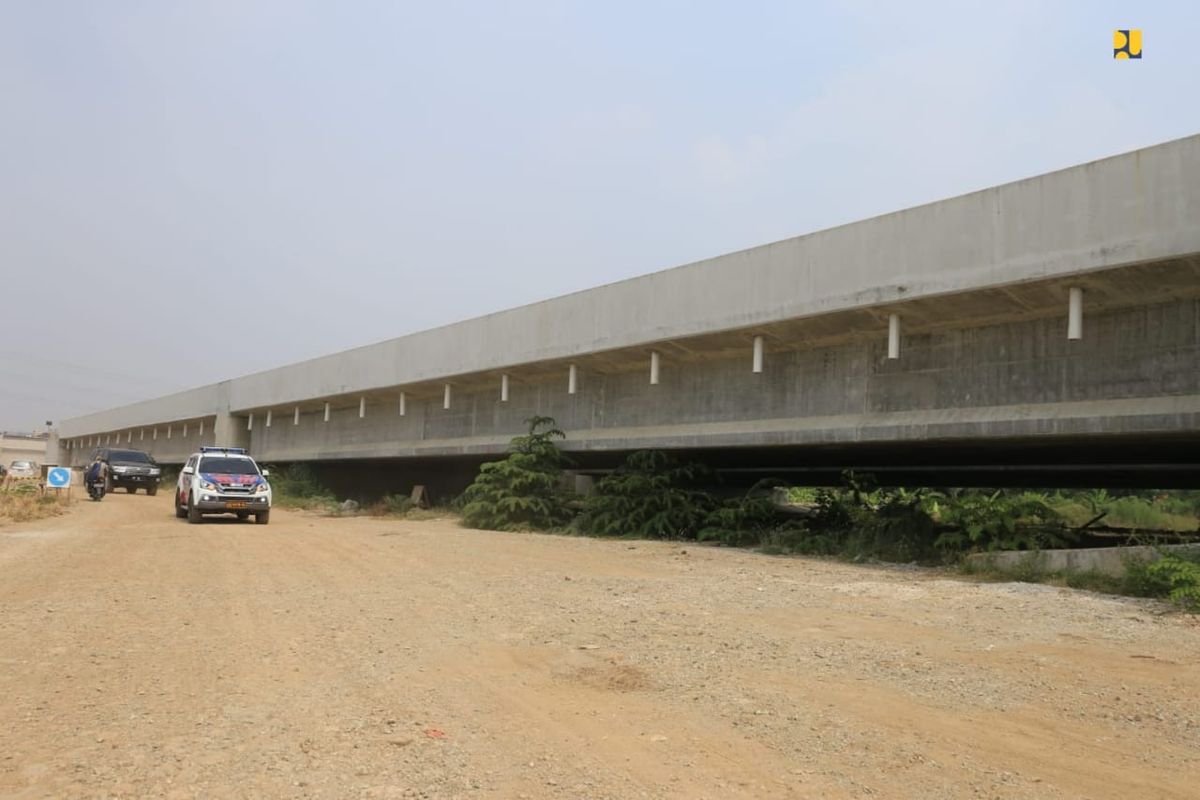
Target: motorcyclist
95 475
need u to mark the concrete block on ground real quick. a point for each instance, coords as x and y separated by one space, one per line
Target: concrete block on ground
1105 560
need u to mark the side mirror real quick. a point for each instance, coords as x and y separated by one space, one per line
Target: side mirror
266 473
188 470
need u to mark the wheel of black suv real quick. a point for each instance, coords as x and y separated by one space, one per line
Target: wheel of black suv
193 513
108 487
262 517
152 490
243 515
130 490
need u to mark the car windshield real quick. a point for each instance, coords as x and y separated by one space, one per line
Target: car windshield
228 466
22 464
129 456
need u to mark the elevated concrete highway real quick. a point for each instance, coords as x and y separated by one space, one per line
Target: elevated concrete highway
1058 314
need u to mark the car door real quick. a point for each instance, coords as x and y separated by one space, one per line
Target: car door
185 479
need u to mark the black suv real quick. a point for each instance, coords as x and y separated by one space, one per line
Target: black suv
131 469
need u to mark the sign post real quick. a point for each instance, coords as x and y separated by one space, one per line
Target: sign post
59 478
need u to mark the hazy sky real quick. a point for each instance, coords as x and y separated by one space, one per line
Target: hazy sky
191 191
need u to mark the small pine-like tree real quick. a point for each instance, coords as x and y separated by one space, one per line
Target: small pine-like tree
650 496
524 491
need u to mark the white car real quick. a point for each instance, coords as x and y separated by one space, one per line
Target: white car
22 469
222 480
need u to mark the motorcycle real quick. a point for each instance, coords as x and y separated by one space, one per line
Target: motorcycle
95 490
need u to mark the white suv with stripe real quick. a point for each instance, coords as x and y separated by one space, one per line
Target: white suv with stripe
222 480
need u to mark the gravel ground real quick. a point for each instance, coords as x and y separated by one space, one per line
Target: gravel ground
345 658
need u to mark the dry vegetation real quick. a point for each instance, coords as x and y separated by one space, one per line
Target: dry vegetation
22 502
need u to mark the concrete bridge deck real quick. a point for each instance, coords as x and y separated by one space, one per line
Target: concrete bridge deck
978 285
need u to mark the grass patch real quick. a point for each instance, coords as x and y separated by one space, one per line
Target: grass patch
1175 510
324 505
25 502
402 506
296 487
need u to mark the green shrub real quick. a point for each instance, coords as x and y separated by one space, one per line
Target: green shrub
976 520
863 521
751 519
799 539
1174 576
651 496
524 491
802 495
892 525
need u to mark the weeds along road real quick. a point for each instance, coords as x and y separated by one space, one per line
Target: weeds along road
340 658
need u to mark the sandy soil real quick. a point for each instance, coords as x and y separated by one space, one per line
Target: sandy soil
342 658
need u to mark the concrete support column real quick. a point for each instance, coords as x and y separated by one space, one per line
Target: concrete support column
446 397
185 427
580 484
327 412
201 434
268 417
168 431
296 416
572 379
250 422
1074 313
54 448
893 336
402 404
653 367
504 388
757 361
362 407
228 433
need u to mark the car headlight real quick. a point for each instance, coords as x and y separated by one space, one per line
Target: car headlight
156 472
212 487
262 488
120 470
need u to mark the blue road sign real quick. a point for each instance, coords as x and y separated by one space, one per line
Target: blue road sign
58 477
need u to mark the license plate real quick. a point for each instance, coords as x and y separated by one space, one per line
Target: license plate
236 504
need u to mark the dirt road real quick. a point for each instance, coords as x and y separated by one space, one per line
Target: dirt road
346 658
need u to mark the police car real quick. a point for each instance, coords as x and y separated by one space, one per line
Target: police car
222 480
